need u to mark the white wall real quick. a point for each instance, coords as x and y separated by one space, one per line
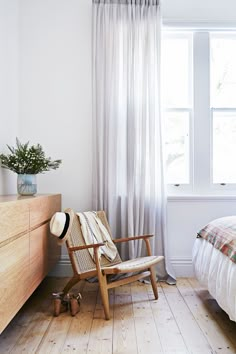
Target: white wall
8 85
55 92
186 216
55 102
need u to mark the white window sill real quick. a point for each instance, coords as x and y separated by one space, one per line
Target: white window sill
204 197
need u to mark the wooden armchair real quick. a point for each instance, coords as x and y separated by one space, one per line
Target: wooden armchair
84 266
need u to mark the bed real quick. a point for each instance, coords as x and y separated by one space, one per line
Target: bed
214 261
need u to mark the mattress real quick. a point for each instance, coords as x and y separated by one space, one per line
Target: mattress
216 272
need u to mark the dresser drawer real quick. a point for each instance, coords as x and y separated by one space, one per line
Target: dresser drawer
27 250
38 255
42 209
14 278
44 253
14 219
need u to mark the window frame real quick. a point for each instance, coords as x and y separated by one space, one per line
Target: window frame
180 188
201 121
222 185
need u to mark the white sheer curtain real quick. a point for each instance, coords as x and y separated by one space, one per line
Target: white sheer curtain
128 163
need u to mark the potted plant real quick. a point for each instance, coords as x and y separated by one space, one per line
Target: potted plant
27 161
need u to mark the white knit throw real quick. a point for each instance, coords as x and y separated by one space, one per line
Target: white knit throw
94 231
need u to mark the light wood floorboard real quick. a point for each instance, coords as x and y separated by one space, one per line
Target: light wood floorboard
185 319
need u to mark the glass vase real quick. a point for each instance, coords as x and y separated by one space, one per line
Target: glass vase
26 184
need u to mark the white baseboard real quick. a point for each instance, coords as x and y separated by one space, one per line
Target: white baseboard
182 266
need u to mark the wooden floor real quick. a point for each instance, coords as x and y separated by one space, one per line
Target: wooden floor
185 319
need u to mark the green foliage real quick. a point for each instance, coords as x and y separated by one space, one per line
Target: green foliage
26 159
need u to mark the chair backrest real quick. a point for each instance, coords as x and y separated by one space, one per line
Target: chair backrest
82 261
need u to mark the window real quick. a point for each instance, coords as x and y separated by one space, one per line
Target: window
224 146
177 146
223 106
199 101
177 99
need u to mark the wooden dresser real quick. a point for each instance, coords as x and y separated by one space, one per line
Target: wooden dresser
27 249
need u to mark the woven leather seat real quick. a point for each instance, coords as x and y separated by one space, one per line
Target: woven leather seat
84 266
133 265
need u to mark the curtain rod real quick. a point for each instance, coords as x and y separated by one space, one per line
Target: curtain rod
128 2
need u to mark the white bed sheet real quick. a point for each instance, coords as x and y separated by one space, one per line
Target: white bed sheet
217 273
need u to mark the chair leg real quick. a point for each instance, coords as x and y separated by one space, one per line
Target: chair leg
104 294
153 282
70 284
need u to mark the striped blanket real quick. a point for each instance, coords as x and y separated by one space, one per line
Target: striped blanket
221 233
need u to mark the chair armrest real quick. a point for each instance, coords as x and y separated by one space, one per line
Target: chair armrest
126 239
78 248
